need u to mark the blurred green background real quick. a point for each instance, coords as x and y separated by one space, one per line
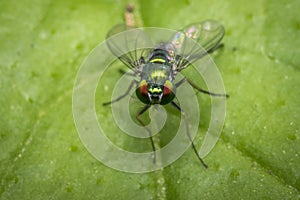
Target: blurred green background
42 45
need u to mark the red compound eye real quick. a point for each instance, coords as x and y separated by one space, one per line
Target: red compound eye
142 92
168 93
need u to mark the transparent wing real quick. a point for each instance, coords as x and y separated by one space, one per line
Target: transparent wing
128 44
208 34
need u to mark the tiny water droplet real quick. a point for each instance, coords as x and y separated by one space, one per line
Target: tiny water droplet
105 88
43 35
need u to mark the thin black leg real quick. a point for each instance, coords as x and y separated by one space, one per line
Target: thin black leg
219 46
122 71
198 88
122 96
188 132
146 107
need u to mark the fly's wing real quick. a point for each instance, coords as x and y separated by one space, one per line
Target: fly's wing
208 34
128 44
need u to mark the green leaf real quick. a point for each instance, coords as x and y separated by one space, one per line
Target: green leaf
43 44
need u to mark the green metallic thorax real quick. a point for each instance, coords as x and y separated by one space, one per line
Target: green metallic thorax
155 73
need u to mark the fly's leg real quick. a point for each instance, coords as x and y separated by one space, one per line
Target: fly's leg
122 71
122 96
188 132
143 124
184 114
219 46
198 88
138 115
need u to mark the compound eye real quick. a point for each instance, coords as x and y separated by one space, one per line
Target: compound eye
142 92
168 93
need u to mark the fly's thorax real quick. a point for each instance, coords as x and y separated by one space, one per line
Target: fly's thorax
152 93
156 73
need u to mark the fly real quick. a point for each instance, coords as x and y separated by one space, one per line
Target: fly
156 67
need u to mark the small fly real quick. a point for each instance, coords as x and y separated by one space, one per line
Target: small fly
155 68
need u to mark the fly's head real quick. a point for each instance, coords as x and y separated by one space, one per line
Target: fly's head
150 93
